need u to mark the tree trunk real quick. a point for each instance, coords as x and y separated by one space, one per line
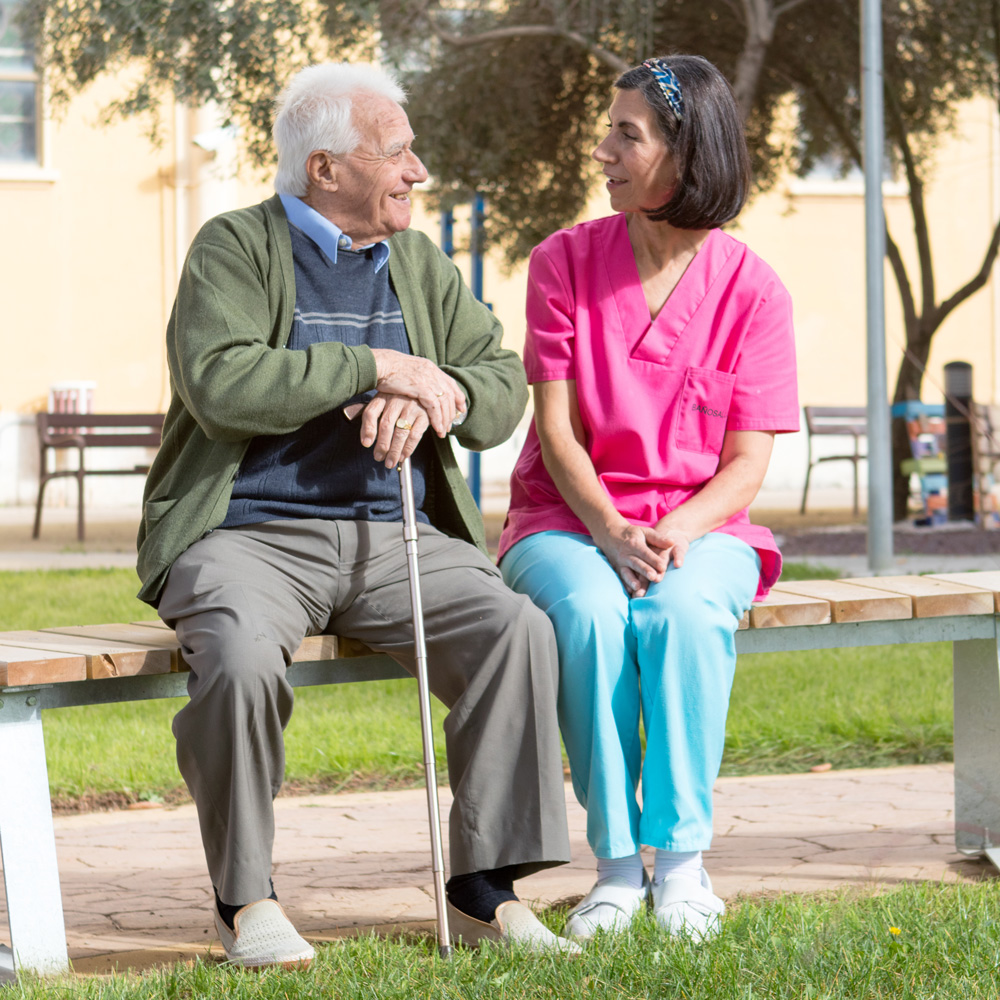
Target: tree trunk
748 70
760 22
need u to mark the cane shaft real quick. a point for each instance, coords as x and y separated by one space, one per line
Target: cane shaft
424 696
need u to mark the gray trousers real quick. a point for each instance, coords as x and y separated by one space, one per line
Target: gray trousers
242 599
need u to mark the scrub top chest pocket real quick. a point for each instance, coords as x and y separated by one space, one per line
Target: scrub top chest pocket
704 410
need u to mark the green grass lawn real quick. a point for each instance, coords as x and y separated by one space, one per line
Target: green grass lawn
851 708
918 942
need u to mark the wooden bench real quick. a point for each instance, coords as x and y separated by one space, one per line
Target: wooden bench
841 421
59 431
102 664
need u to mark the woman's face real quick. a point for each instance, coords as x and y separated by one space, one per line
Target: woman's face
640 169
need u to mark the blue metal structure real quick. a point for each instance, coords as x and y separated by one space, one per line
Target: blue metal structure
476 248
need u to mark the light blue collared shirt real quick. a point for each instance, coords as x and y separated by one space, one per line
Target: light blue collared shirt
328 236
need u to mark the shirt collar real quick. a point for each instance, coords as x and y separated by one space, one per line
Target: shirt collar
327 235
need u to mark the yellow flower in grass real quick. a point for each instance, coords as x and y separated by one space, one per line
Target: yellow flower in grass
895 931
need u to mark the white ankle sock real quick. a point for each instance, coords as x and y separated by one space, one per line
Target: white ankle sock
677 864
629 868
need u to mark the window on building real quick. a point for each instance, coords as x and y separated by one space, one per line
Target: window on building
20 135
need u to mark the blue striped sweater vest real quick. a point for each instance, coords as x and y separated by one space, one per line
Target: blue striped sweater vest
321 470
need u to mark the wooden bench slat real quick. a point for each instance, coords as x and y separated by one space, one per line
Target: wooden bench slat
134 635
104 659
936 598
988 579
20 665
853 602
317 647
314 647
112 650
782 608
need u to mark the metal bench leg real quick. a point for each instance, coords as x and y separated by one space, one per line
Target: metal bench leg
36 529
27 841
79 501
805 489
855 461
977 747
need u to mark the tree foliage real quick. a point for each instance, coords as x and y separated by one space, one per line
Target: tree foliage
237 54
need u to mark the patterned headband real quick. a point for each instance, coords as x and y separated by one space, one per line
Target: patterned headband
669 85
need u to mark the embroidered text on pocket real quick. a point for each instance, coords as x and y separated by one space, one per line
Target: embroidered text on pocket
704 409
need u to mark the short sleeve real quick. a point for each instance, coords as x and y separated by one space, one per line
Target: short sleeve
765 396
549 341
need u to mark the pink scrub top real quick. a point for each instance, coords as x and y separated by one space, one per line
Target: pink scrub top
655 398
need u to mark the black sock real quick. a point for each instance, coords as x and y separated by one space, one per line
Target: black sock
478 894
228 911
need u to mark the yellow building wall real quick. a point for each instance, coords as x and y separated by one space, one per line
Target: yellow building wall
89 257
813 236
86 262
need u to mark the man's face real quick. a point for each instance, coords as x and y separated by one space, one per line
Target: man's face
371 201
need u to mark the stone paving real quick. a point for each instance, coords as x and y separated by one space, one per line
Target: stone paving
136 892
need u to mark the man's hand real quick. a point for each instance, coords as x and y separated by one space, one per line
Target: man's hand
405 375
393 424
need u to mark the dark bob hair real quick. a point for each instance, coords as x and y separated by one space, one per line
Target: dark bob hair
708 143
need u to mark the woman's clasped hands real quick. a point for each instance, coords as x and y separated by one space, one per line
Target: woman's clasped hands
640 555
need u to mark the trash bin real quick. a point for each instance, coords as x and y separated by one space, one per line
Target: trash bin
957 412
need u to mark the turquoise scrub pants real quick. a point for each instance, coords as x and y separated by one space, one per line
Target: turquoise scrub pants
671 653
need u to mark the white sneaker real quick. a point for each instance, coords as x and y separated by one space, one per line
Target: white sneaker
263 935
513 924
685 908
609 906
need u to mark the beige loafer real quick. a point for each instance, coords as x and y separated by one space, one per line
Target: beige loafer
514 924
262 935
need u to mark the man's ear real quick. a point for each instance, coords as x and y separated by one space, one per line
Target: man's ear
321 169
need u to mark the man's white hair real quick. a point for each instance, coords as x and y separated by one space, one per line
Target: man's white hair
314 112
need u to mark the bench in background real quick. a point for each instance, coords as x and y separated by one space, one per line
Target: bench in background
101 664
59 431
842 421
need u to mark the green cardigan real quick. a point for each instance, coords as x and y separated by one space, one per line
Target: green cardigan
232 379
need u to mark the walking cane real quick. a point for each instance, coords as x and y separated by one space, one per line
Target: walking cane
424 693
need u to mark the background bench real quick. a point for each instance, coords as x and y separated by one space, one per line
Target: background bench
100 664
840 421
60 431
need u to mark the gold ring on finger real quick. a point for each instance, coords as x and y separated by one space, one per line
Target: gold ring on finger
439 394
403 425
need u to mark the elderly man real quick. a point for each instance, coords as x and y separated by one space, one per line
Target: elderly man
270 515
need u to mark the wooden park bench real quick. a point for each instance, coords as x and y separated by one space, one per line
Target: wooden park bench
100 664
61 431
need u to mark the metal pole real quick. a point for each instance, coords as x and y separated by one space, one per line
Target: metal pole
424 694
879 441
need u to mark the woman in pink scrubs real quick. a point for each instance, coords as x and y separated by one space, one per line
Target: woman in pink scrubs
662 356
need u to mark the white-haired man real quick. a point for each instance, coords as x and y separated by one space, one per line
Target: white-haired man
269 515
